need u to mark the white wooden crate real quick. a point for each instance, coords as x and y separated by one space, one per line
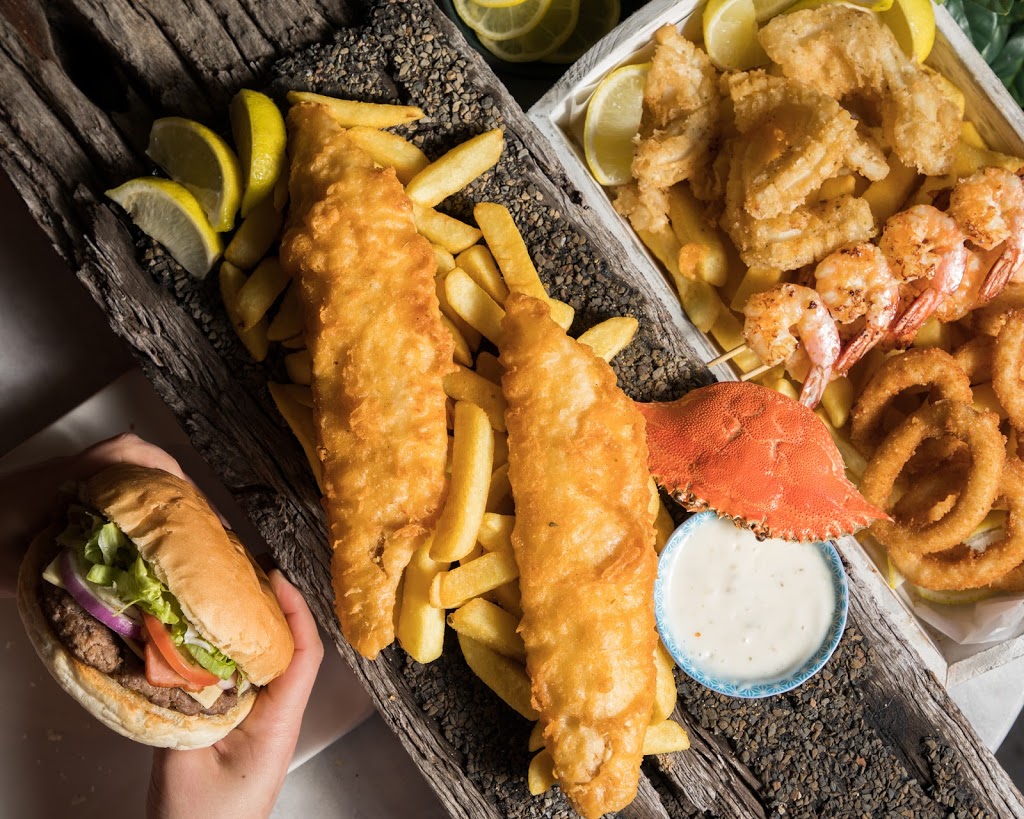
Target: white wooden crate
559 116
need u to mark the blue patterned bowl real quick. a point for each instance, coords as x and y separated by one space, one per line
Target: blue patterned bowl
768 688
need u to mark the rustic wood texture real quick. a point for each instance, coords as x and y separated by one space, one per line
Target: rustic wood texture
80 81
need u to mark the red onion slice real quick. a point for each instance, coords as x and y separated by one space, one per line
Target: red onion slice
78 588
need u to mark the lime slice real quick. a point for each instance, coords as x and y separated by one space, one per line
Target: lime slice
258 129
167 212
199 159
952 598
613 120
913 23
730 34
553 30
601 16
503 22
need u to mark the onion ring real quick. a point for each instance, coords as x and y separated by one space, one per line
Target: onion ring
980 432
933 368
963 567
975 358
1006 368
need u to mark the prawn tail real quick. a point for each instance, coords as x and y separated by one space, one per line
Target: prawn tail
1002 271
918 313
857 348
814 386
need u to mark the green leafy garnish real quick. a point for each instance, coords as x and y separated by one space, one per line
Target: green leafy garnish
214 662
996 28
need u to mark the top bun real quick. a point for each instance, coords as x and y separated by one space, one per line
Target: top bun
222 592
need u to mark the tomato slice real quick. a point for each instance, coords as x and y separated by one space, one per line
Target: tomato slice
194 676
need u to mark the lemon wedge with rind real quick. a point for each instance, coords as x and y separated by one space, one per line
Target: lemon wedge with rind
913 23
503 22
203 162
168 213
612 121
730 35
553 29
259 132
600 18
498 4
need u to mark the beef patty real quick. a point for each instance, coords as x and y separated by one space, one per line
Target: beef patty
92 643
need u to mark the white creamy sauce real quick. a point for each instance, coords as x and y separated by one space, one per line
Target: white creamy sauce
747 611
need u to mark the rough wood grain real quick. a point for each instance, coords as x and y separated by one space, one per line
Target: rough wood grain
66 138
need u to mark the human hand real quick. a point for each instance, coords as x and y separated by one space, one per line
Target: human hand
246 769
31 496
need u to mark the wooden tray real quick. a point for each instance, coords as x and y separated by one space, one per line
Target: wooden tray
80 82
989 105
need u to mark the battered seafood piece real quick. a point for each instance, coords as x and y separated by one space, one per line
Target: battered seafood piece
842 52
379 354
680 122
584 542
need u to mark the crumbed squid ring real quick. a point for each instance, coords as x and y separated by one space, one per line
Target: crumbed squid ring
962 567
1006 368
932 368
975 358
980 433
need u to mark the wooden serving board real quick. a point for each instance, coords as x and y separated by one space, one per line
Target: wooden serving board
81 81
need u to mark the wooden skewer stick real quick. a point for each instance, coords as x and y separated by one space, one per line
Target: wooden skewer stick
728 354
755 373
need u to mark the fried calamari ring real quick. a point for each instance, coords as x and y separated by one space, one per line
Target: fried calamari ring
932 368
962 567
1006 368
975 358
931 496
989 320
980 432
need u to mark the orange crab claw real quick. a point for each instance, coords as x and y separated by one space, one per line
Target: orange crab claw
757 457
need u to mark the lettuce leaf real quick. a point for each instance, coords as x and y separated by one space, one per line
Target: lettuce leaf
214 662
996 28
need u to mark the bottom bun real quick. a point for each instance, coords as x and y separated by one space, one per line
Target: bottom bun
117 707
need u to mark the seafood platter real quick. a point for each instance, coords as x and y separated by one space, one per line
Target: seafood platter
738 271
469 419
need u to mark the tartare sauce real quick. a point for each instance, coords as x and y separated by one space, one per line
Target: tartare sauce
747 611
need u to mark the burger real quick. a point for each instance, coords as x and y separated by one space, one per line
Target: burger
151 614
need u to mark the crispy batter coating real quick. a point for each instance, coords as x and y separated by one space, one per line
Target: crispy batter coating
379 353
584 542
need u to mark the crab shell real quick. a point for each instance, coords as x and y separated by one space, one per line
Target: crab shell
757 457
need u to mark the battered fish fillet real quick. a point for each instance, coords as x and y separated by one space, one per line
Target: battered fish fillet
584 542
379 353
681 121
841 51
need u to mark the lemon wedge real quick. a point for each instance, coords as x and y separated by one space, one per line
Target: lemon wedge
167 212
502 22
730 34
867 5
498 4
601 17
199 159
764 10
258 129
913 23
613 119
551 31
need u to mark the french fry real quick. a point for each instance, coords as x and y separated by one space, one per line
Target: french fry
299 367
665 693
728 332
609 337
258 231
986 400
445 260
665 738
969 133
500 449
664 526
470 334
390 150
541 776
838 401
505 677
785 387
456 169
288 321
231 281
446 231
260 291
461 354
489 625
509 250
967 159
536 741
452 588
701 254
420 627
478 262
561 313
499 496
495 533
463 511
351 114
888 195
835 187
295 342
507 596
700 300
756 280
466 385
300 420
472 304
298 393
489 367
934 333
474 553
